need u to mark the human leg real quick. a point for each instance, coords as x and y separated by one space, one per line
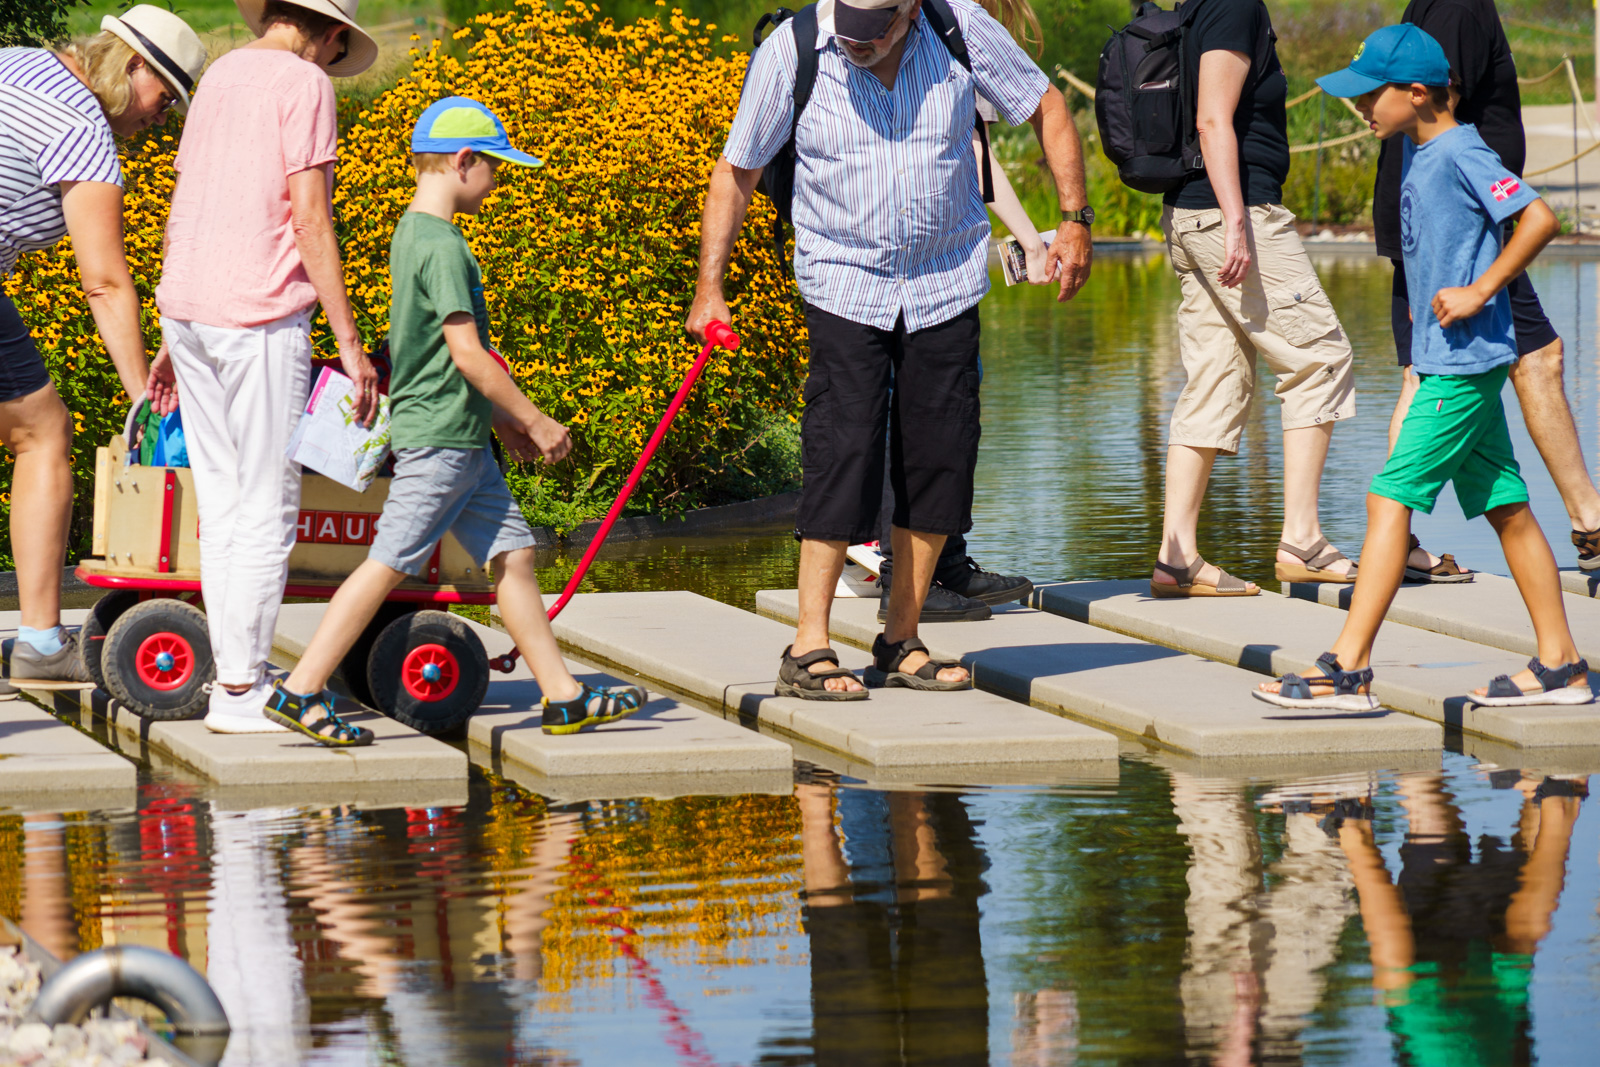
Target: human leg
842 438
934 431
352 607
1533 567
516 588
38 430
1305 453
1538 380
1210 414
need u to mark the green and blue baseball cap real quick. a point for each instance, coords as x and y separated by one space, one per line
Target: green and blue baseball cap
1402 54
456 122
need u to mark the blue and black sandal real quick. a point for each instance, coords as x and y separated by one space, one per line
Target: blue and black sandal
328 728
1352 690
1555 687
595 706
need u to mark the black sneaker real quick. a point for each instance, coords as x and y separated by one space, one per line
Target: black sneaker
942 605
970 580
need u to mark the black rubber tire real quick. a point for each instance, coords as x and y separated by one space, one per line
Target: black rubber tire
410 633
353 668
143 623
92 639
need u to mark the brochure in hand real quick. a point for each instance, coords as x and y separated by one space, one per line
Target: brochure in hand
1014 262
330 441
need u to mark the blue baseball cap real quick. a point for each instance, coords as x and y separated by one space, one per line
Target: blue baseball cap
1402 54
456 122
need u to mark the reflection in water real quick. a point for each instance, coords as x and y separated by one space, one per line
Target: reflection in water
897 973
1173 918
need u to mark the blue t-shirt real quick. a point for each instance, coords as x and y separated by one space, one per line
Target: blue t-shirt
1454 197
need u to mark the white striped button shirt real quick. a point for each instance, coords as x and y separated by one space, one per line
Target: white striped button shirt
888 214
51 130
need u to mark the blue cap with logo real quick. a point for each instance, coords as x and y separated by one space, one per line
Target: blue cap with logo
456 122
1402 54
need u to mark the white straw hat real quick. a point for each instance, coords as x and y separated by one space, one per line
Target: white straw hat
166 43
363 50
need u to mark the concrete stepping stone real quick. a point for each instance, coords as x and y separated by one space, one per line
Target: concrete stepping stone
1487 611
1419 672
729 658
666 739
1581 583
1179 701
40 753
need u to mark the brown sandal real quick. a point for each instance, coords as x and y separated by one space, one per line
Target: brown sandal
1227 584
1314 561
1446 570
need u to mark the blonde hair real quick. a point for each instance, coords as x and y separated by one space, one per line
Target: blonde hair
438 162
104 59
1019 20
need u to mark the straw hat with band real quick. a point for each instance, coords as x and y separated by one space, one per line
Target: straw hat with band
859 20
167 45
362 49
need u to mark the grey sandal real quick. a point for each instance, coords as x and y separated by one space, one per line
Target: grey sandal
795 679
1295 691
1314 562
887 658
1227 584
1555 687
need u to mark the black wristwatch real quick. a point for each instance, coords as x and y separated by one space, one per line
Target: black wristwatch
1086 216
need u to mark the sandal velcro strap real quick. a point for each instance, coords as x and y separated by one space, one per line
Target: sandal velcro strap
1344 682
1503 686
1318 556
816 655
1553 678
889 657
1294 687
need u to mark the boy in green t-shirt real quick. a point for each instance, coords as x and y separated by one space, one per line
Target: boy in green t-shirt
447 391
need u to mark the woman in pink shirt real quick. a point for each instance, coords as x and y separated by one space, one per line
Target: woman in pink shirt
250 253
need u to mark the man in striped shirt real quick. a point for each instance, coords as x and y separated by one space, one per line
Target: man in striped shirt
891 257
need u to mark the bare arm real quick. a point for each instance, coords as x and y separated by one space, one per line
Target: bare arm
1008 209
311 216
1072 249
1222 77
727 200
93 212
526 431
1536 224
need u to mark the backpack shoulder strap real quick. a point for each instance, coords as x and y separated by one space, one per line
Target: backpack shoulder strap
805 57
943 21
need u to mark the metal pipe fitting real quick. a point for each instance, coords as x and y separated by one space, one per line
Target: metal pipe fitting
91 980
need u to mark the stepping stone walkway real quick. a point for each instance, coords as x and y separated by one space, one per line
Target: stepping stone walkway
1581 583
40 755
1420 672
729 657
1487 611
1180 701
665 739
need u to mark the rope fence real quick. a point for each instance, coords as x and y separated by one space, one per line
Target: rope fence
1565 66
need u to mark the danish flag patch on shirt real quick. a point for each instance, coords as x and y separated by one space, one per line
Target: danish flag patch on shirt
1505 188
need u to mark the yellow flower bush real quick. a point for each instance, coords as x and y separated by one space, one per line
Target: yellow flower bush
589 262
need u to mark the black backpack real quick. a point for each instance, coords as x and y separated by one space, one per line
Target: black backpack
777 177
1145 97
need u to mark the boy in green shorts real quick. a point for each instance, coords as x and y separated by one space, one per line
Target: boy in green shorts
447 392
1455 199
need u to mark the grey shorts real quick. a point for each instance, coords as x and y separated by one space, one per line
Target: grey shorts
439 490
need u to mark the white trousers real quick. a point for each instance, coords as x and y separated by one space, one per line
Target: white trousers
242 392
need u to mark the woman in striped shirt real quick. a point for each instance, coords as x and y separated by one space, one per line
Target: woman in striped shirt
60 112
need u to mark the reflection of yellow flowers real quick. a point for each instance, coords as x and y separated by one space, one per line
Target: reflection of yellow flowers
589 262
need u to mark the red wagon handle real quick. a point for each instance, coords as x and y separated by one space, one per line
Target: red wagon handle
718 335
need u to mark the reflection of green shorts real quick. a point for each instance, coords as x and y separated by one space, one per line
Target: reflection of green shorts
1455 431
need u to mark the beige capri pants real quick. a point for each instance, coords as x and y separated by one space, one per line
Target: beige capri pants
1279 311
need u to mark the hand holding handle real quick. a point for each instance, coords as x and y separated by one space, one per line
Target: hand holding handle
721 335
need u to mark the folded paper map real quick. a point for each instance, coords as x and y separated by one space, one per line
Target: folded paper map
330 441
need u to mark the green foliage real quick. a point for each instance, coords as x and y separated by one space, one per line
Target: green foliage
33 22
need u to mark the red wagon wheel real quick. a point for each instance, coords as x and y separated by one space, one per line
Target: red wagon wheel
430 672
164 661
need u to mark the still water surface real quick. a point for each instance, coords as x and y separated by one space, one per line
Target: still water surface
1431 912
